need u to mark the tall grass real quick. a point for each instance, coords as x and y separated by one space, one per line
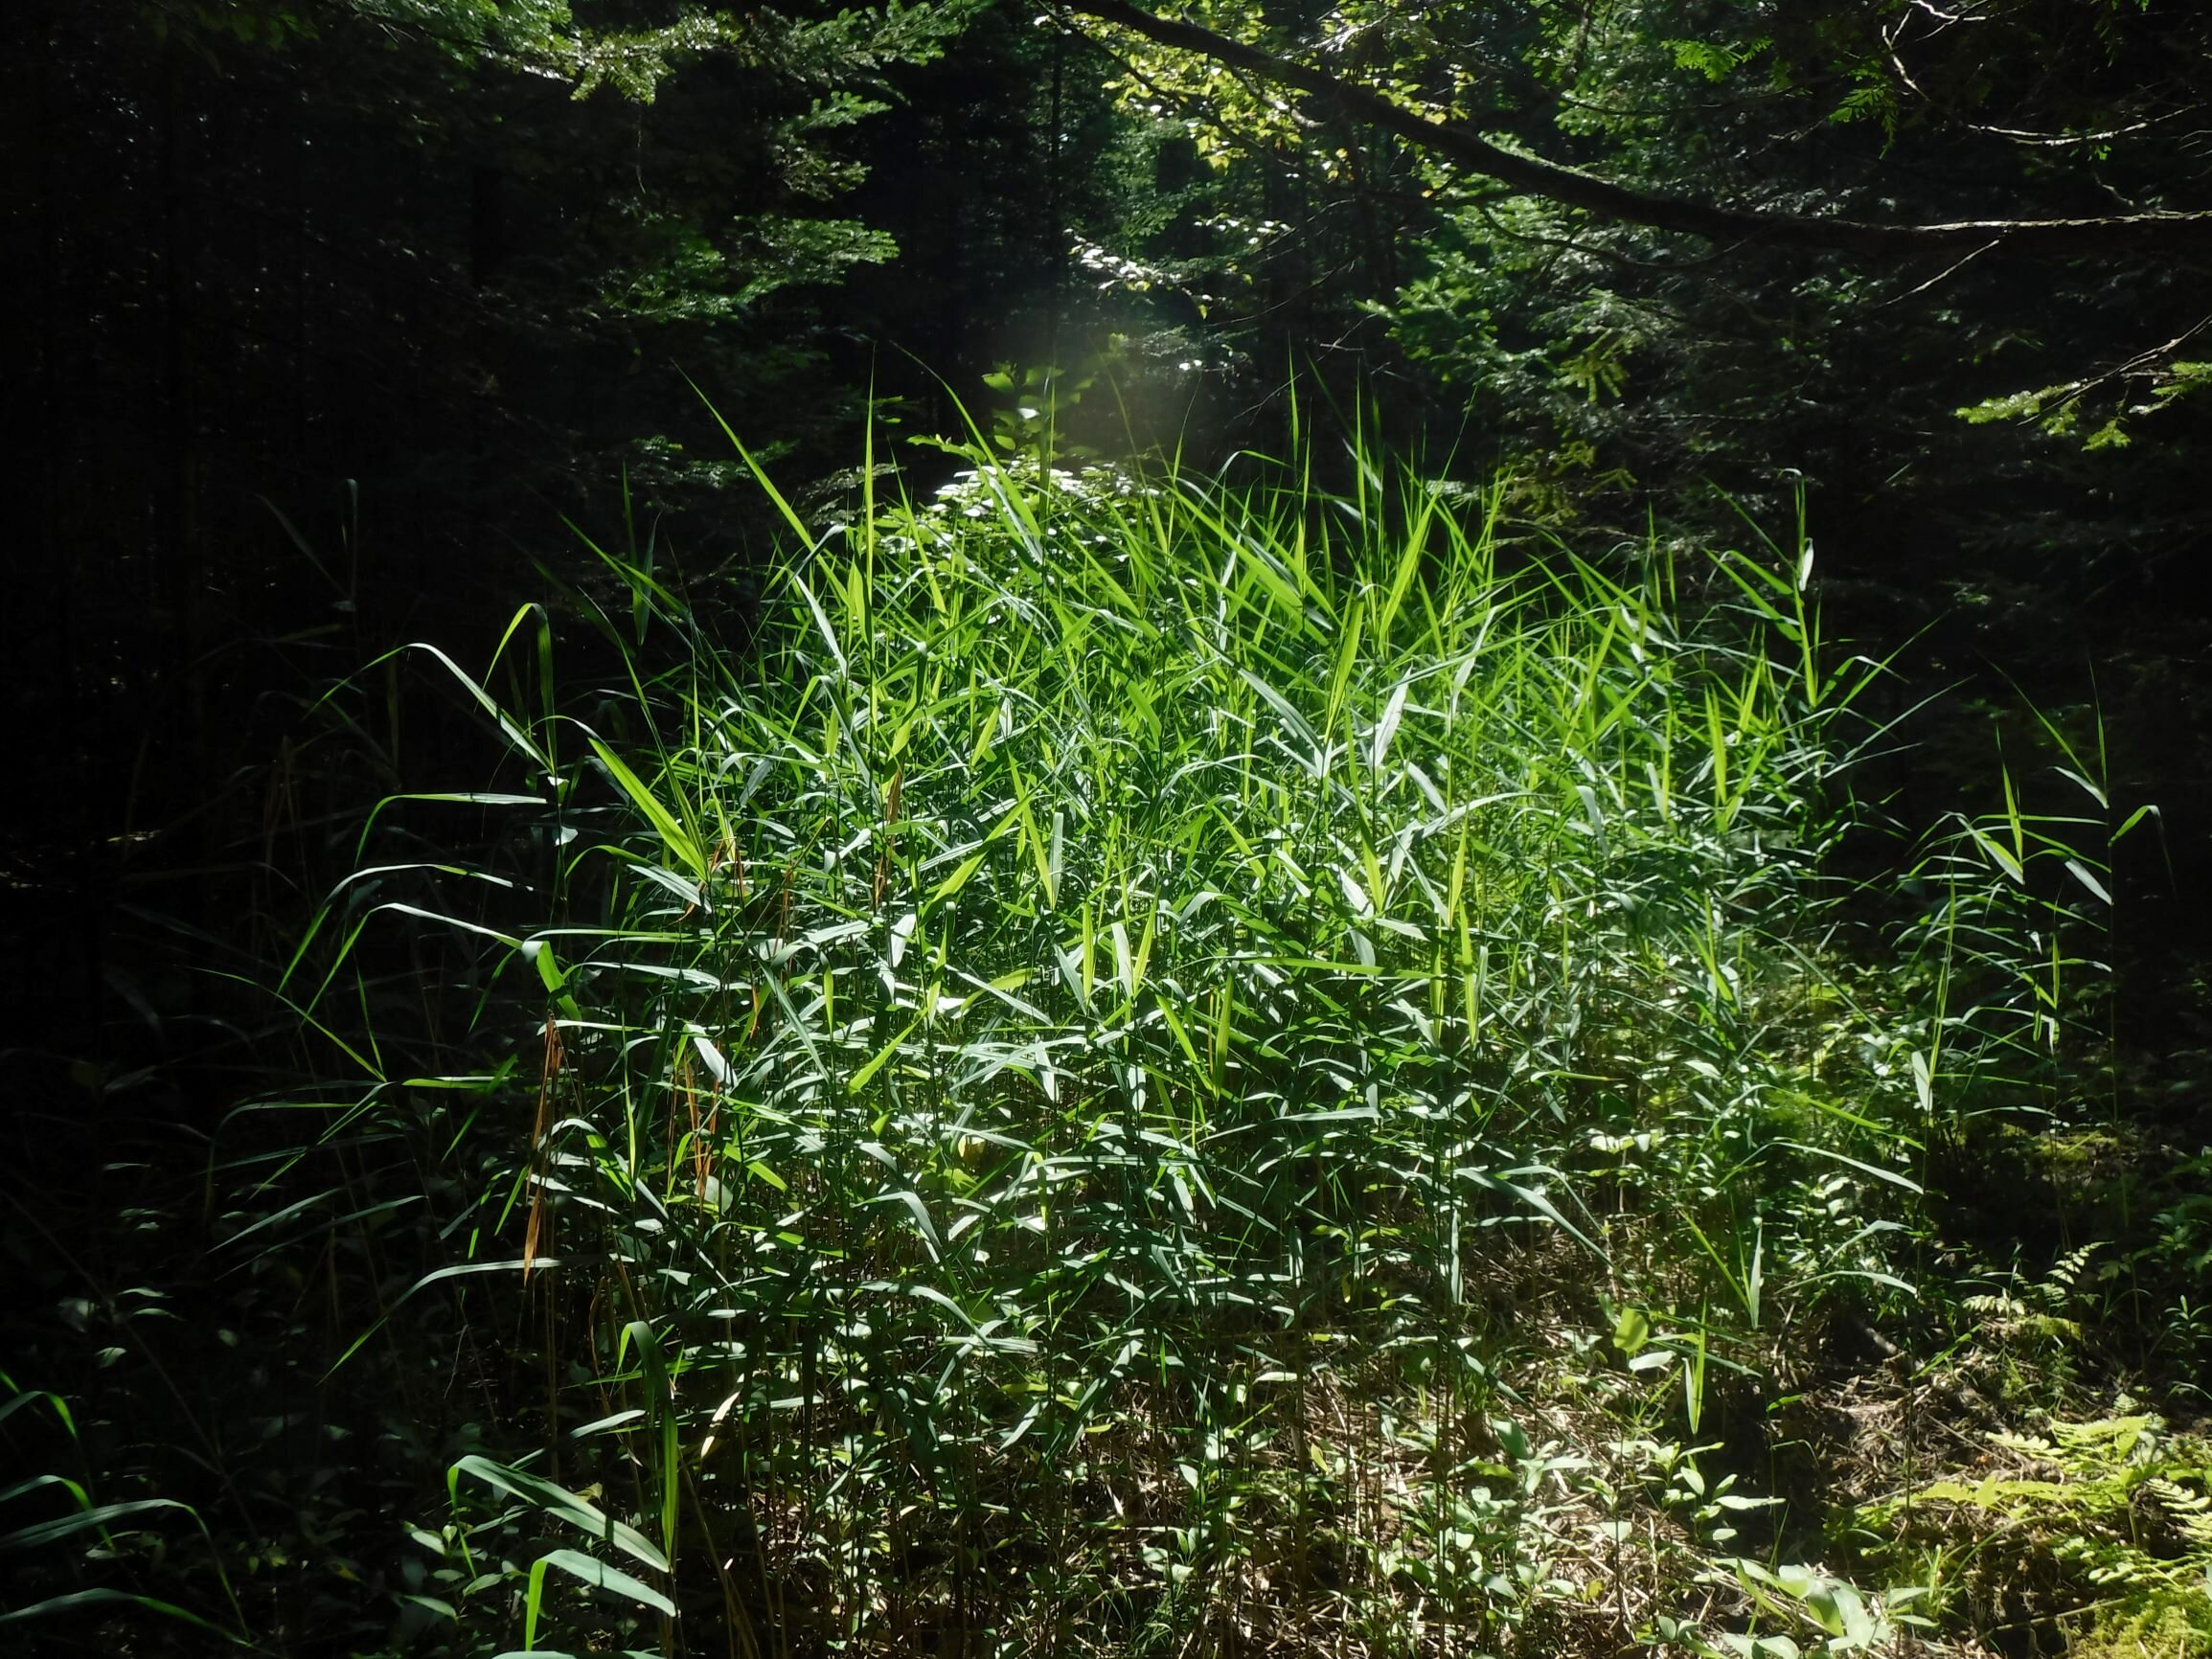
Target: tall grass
1157 1065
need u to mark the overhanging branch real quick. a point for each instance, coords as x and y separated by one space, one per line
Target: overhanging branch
2170 234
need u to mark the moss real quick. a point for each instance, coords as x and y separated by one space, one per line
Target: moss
2171 1626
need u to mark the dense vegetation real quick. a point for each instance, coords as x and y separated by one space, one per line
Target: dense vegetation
950 829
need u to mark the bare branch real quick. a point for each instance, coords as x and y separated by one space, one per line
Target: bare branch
2019 135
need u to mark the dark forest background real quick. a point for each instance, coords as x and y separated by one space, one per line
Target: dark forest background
335 326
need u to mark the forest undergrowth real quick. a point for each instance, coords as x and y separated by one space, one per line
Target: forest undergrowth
1166 1063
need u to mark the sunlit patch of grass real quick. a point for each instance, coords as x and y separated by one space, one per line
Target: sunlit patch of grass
1160 1065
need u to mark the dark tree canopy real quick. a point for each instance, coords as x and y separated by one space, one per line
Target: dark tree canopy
2002 228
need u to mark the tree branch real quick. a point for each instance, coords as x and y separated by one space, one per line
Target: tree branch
2172 234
